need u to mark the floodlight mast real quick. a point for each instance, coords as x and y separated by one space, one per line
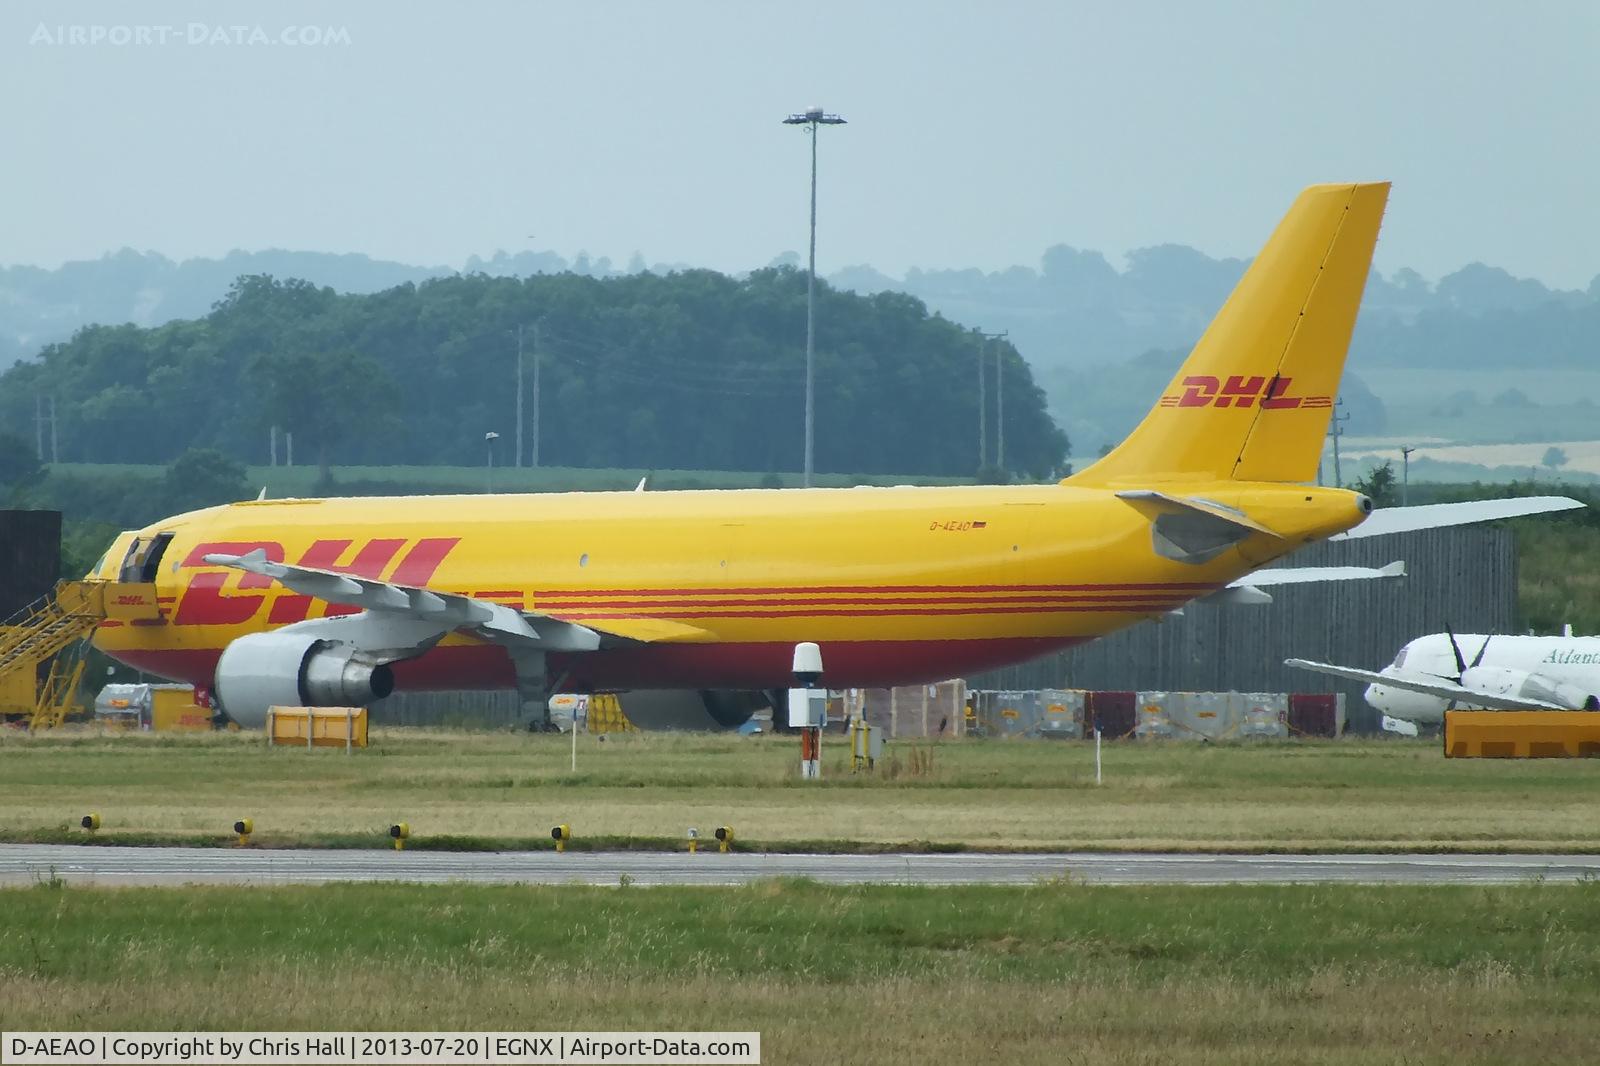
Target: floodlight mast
811 118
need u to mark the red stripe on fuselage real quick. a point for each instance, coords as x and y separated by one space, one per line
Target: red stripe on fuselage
1184 588
867 610
1022 602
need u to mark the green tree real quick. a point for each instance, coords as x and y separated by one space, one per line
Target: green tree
1379 485
203 477
19 466
323 399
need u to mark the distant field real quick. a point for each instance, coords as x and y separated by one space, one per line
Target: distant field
1468 407
1583 456
645 790
1434 385
300 480
1053 973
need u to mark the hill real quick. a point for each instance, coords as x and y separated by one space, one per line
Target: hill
691 370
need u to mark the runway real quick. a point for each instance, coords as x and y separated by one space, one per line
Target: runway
108 865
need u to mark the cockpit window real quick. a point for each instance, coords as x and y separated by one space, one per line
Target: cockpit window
1400 660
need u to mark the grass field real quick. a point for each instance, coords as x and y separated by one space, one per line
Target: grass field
1057 972
645 790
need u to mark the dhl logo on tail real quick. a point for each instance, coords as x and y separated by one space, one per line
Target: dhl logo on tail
1203 390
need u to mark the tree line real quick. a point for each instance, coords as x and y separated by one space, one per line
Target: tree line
688 370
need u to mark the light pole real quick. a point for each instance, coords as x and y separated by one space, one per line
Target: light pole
488 446
1405 475
811 119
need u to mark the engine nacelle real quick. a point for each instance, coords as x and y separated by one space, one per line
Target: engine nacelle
706 709
1504 681
293 670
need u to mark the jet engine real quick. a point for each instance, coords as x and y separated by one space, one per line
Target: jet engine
1502 681
704 709
285 669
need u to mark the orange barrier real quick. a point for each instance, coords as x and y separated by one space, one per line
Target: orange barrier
321 727
1521 734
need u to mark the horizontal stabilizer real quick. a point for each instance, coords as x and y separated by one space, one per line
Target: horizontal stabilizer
1189 530
1438 515
1297 575
1429 685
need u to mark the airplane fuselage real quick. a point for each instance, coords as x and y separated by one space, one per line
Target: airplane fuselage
898 585
1504 665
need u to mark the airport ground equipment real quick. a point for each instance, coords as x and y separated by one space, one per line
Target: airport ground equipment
808 708
561 834
1521 734
1212 715
242 829
90 821
400 832
866 745
1074 713
51 630
163 708
317 727
607 715
937 710
724 838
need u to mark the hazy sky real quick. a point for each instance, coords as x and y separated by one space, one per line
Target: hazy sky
978 134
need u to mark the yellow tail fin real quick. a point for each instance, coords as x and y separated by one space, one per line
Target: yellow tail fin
1252 401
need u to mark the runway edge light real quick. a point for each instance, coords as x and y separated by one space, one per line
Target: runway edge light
694 840
243 828
561 834
400 832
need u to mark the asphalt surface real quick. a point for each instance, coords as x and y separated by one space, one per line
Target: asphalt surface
107 865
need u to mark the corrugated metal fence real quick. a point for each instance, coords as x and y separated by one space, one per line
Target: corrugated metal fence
458 710
1465 578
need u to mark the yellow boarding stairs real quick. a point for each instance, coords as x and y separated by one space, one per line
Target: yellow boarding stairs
54 630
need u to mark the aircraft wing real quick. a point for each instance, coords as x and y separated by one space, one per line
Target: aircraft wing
1433 515
1429 685
1295 575
448 610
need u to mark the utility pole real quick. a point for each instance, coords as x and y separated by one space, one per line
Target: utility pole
1405 475
1337 428
537 350
1000 404
983 408
55 448
983 404
38 426
519 395
272 446
812 118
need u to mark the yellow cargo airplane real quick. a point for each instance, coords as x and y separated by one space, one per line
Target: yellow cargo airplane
706 594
